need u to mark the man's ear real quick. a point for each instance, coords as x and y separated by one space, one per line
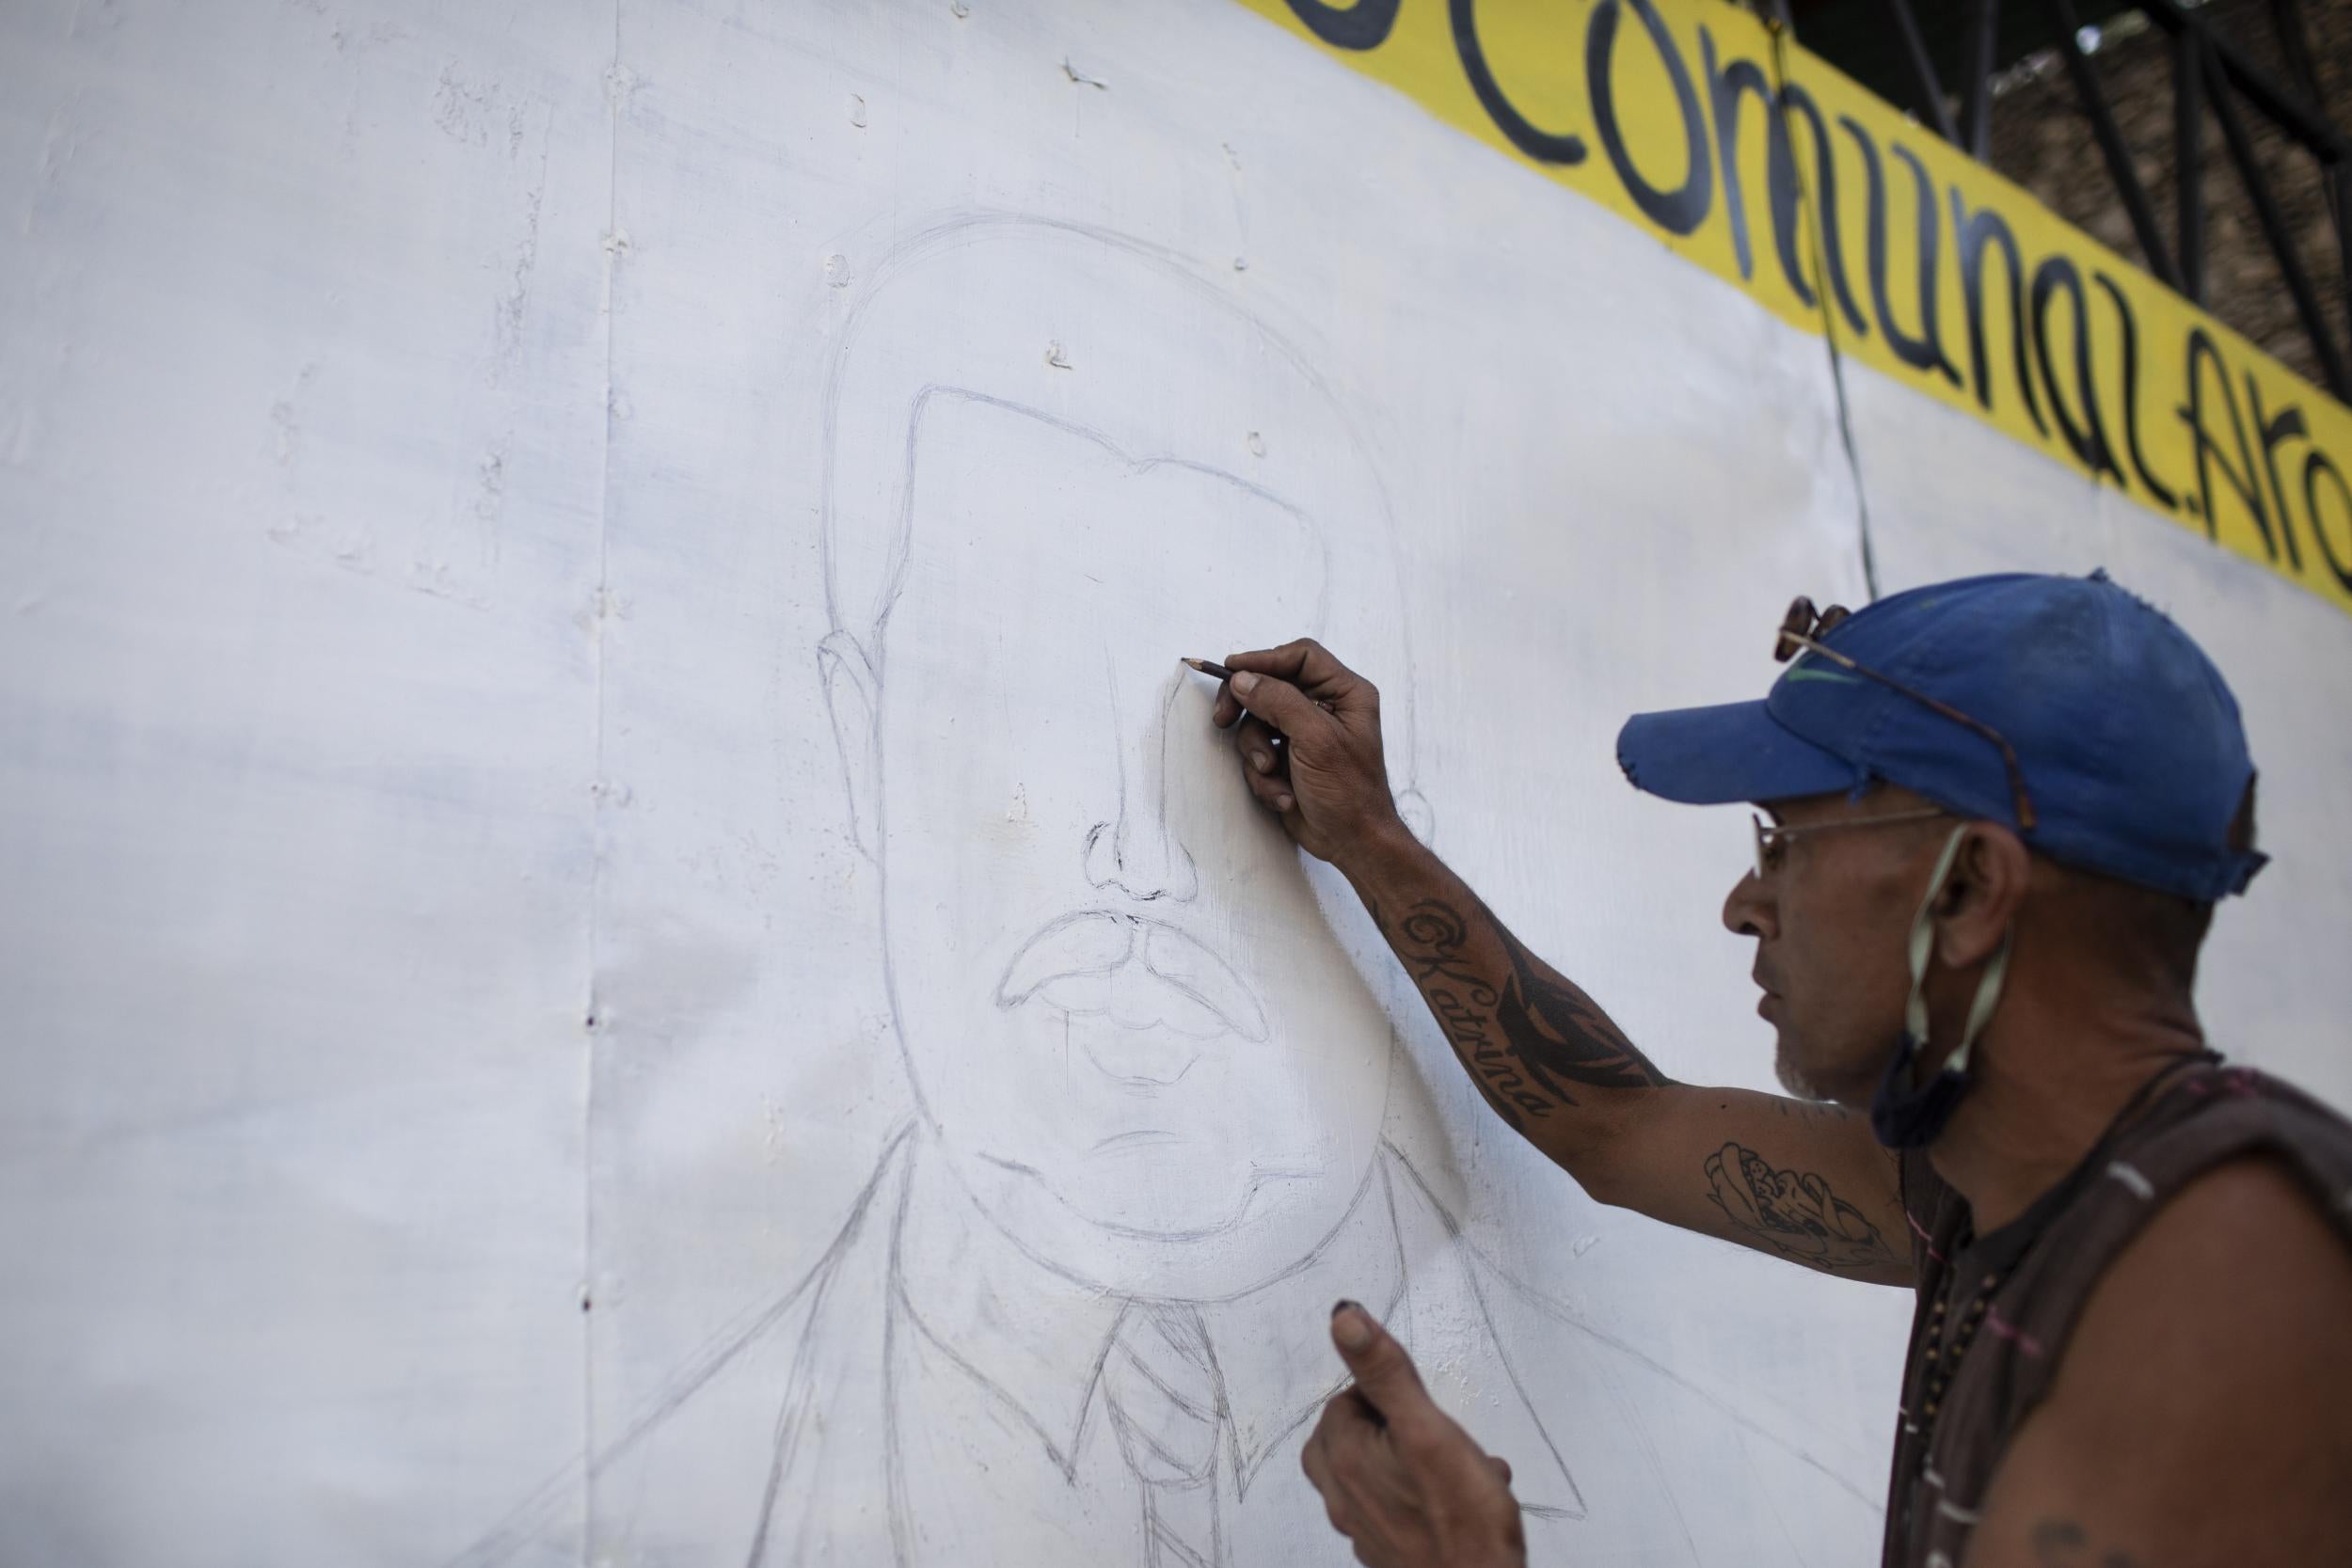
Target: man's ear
1981 898
852 697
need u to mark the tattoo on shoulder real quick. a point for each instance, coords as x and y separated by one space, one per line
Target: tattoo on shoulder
1525 1035
2062 1544
1793 1212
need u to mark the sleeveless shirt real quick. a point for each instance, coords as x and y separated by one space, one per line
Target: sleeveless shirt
2018 1290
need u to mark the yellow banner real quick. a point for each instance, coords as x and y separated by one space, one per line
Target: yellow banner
1690 119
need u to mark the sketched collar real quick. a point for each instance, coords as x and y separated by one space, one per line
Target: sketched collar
1036 1340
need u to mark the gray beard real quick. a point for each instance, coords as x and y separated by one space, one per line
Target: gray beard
1785 1068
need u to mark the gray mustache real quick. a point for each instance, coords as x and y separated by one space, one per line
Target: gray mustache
1136 970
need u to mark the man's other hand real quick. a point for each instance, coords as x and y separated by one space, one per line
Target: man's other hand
1331 790
1404 1483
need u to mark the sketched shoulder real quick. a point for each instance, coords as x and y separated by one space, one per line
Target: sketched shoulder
722 1465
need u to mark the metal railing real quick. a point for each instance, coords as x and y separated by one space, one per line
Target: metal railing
2208 72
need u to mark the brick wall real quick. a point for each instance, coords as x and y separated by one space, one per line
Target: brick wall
2042 140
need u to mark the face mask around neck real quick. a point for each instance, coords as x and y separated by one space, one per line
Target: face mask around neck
1904 1114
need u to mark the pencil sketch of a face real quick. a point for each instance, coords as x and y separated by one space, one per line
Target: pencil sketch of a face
1129 1024
1142 1052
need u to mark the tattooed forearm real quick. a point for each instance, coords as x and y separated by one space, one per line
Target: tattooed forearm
1432 940
2062 1544
1524 1034
1561 1033
1793 1212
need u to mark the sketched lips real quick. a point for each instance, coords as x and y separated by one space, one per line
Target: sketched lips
1138 973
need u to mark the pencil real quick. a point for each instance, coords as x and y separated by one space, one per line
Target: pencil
1217 671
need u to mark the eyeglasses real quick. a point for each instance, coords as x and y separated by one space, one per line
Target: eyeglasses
1804 626
1771 841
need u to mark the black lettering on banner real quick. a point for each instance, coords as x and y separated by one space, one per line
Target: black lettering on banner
2203 353
1544 146
2316 463
2267 435
1923 352
1923 198
1794 98
1726 85
1729 81
1681 210
2089 440
2131 392
1971 233
1363 25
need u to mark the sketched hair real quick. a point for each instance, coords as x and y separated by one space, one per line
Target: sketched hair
1071 324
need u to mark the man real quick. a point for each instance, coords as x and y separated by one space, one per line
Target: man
2002 809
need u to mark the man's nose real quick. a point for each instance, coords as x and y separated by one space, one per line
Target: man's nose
1133 850
1748 912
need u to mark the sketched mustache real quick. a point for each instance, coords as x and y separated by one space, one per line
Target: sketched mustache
1136 972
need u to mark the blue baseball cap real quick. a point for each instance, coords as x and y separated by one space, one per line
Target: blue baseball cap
2128 742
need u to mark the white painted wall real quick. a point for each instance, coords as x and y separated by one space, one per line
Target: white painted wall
433 904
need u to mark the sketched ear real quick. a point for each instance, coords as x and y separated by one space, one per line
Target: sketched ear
1413 806
853 693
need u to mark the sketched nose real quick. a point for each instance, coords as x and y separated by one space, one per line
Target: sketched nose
1140 860
1134 851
